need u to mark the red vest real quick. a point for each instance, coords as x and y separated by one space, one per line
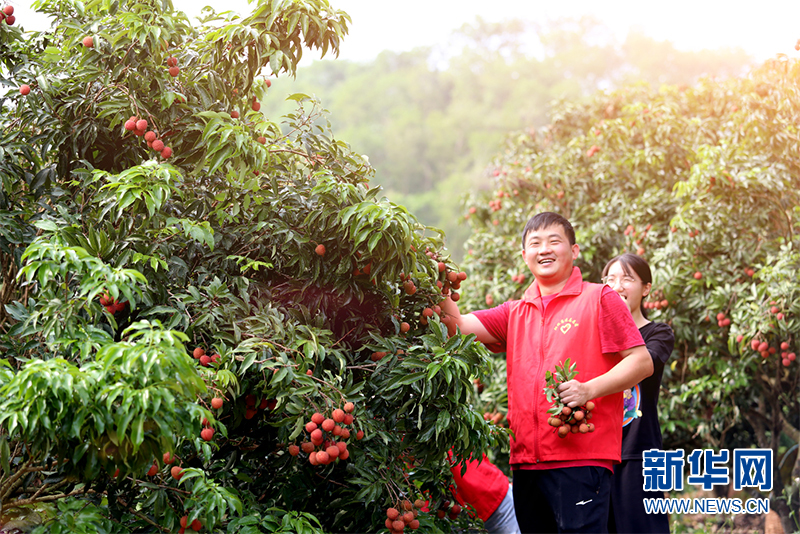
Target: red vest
536 342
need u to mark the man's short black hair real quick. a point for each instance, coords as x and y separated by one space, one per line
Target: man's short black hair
545 220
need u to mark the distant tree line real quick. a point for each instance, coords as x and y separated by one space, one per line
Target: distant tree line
431 119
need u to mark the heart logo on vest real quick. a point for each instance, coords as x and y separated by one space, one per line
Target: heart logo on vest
565 325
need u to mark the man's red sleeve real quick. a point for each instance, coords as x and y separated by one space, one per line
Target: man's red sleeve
495 320
617 329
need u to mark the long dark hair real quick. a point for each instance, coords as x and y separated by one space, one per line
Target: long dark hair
637 264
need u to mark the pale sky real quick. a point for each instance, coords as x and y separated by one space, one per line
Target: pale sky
761 28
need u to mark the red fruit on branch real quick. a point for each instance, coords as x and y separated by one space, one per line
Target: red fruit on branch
88 41
217 403
24 89
207 434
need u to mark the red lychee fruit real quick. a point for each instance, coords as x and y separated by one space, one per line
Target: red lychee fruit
174 71
176 472
24 89
166 153
158 145
338 415
88 41
207 434
217 403
320 250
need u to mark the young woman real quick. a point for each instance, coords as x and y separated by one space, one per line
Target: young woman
629 275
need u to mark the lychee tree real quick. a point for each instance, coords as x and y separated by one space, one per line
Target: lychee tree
703 183
210 320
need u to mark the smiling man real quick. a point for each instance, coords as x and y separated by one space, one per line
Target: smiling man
561 485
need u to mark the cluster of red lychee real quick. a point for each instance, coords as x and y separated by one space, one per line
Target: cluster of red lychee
569 421
111 304
139 128
7 15
176 471
658 301
495 205
172 64
448 510
207 434
252 406
518 278
450 281
723 320
326 436
776 311
403 515
594 149
764 349
195 525
168 458
199 353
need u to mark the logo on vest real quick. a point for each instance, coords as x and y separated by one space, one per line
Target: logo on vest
565 325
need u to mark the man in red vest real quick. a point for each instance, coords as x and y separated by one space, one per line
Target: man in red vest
561 485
